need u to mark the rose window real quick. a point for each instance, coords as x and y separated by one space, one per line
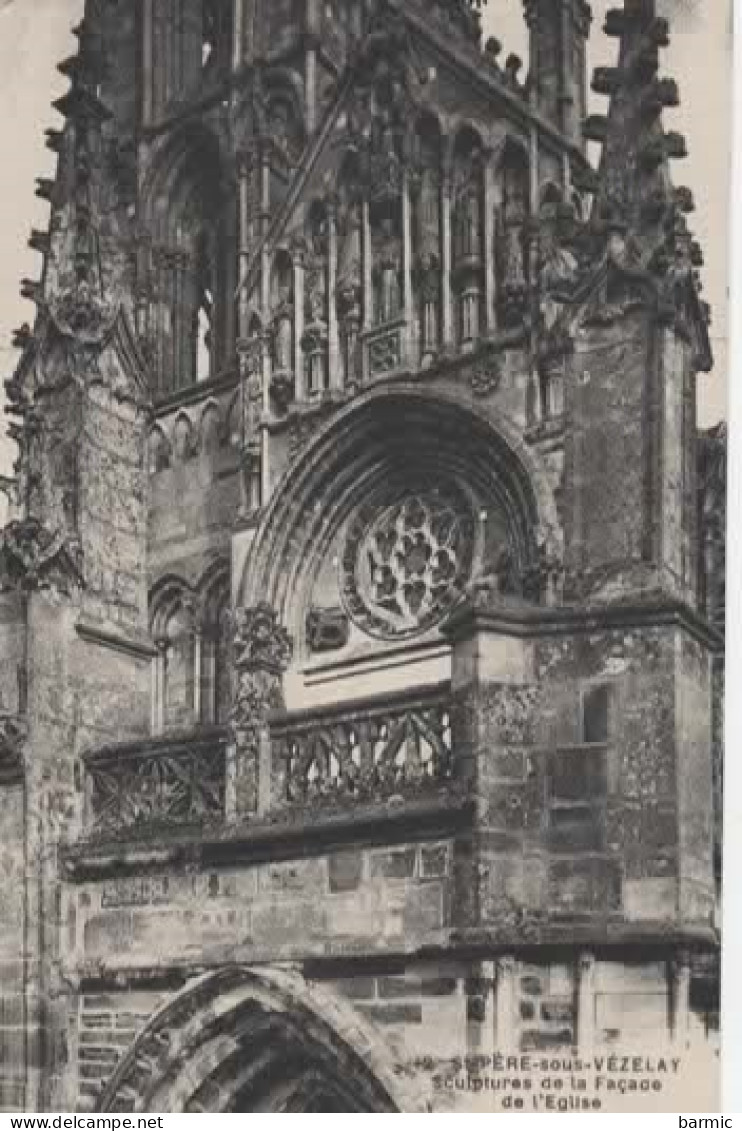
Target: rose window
405 563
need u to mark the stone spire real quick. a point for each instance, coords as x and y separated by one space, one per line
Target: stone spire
635 185
78 278
78 299
636 201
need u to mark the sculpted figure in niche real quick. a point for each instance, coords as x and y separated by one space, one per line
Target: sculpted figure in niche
513 257
283 330
469 223
512 225
316 283
350 271
429 283
387 271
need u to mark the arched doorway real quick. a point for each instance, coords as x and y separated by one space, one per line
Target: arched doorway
258 1040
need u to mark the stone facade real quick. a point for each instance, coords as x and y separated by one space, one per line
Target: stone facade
361 608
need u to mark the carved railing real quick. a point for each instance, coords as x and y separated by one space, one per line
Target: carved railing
365 752
163 783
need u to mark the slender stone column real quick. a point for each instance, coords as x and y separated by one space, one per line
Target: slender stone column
680 999
246 174
408 297
262 652
533 185
368 291
297 259
310 85
147 62
335 376
447 311
505 1004
480 1010
586 1003
490 274
238 34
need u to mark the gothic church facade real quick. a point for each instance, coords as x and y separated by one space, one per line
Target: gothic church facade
361 603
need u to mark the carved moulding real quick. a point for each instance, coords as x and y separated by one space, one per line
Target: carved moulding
262 651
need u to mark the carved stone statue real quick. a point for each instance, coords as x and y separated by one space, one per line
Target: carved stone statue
387 272
283 332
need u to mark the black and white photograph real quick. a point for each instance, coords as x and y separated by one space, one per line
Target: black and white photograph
362 555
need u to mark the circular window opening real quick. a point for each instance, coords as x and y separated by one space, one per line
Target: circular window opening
406 561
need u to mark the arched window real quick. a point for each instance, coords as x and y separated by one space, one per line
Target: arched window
191 633
176 674
215 637
216 35
188 40
191 323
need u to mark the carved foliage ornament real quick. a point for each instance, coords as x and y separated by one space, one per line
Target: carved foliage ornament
405 562
79 312
485 376
32 557
260 642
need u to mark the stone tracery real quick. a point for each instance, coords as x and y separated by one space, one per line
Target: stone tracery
403 563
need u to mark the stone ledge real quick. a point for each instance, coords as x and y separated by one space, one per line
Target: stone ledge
140 648
263 840
461 947
534 621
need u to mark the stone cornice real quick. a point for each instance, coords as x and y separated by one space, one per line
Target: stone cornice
140 648
223 382
526 621
440 813
623 942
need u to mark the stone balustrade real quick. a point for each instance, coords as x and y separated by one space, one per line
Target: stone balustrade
363 752
174 782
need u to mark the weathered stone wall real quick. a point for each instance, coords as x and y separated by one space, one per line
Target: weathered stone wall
13 878
195 487
104 1023
695 781
346 902
442 1020
12 630
608 441
587 825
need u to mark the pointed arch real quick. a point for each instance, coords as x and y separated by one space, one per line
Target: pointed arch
189 206
383 435
210 428
173 625
214 591
247 1039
